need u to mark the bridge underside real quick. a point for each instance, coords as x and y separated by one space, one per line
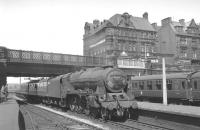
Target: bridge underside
33 70
38 70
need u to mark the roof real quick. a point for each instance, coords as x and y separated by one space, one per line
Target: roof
184 25
174 23
196 75
155 77
126 20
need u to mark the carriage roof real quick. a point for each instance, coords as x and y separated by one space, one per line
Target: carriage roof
159 76
196 74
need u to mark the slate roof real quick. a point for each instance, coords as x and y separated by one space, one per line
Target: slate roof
137 22
121 20
174 23
184 25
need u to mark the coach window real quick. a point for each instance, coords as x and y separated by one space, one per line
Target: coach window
36 86
183 84
141 85
134 85
176 84
149 85
195 84
158 84
169 84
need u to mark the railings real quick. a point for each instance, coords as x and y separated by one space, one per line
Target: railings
22 56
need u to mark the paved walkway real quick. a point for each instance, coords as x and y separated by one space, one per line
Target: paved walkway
9 115
192 111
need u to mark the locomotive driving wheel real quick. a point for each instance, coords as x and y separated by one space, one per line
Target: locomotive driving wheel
105 114
72 106
80 109
133 113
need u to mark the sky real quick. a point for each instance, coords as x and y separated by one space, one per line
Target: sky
58 25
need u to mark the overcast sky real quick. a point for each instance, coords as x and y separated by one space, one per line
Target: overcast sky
58 25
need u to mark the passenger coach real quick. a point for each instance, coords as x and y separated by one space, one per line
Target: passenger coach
181 87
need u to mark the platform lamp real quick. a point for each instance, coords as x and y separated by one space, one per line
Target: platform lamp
164 82
163 56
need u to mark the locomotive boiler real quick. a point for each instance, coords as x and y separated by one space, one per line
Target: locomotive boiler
106 90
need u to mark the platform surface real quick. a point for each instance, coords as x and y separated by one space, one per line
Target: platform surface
193 111
9 115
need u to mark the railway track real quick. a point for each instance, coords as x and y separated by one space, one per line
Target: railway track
39 119
136 125
142 124
111 125
132 125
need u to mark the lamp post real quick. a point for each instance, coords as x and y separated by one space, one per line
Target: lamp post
164 75
164 82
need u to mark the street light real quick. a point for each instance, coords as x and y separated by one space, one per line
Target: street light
123 53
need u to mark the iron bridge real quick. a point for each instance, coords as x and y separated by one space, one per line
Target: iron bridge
38 64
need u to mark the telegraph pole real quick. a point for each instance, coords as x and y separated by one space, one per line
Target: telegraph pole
164 82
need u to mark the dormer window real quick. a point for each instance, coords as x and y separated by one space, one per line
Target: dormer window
179 28
192 30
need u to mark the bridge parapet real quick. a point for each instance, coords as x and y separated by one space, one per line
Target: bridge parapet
22 56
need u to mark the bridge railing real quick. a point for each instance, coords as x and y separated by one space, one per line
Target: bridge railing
22 56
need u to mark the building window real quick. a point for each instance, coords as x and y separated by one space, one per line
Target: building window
179 28
117 46
144 34
183 53
130 47
183 40
142 48
133 48
194 55
152 49
124 47
194 40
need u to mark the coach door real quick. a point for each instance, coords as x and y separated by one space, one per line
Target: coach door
189 90
36 88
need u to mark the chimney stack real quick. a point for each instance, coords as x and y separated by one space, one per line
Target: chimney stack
96 22
182 21
145 15
166 21
154 25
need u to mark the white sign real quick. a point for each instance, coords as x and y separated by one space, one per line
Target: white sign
98 43
130 63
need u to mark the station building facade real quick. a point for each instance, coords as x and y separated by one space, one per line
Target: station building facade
180 38
127 41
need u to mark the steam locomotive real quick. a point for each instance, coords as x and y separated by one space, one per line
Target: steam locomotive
182 88
100 92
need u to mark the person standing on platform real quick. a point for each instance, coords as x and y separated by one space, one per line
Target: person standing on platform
6 91
2 94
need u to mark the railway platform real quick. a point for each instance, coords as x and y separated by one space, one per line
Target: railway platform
183 110
9 111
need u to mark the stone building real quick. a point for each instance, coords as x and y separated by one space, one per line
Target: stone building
126 40
181 39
